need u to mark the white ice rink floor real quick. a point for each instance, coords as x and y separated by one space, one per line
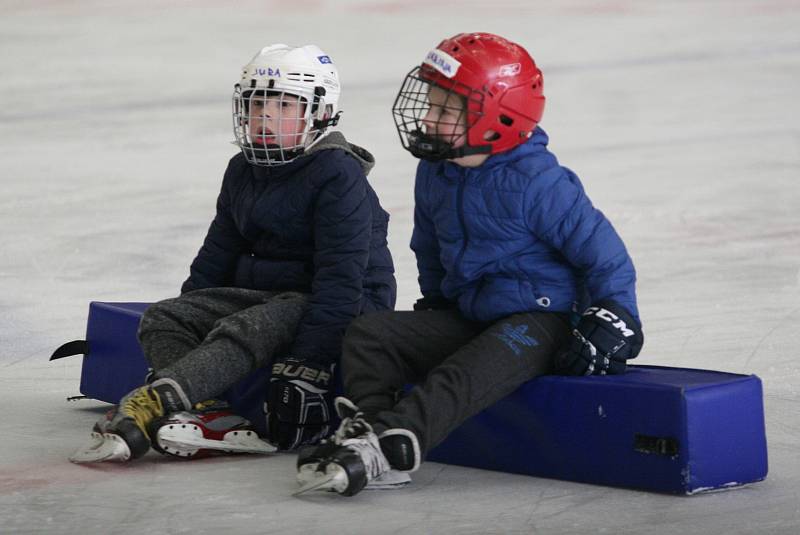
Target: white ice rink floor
681 118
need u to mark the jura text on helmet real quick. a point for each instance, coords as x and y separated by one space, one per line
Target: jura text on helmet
443 62
268 71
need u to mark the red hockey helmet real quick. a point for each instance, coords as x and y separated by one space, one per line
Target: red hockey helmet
500 83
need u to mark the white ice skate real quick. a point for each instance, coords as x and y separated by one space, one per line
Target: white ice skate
209 429
102 447
310 479
203 433
349 461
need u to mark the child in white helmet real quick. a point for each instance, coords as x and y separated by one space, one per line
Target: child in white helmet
296 250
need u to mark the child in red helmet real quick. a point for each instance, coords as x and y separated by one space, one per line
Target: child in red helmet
520 275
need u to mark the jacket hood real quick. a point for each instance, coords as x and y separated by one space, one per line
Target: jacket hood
336 140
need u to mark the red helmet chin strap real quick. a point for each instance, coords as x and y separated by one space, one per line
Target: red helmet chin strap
434 148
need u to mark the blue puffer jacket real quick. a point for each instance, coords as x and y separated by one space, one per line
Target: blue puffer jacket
516 234
313 225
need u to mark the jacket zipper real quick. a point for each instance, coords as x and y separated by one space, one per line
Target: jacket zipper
460 212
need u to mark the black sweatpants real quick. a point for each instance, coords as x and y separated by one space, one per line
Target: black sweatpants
209 339
459 366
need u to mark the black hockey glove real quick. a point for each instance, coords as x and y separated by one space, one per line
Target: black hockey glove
605 338
433 302
297 407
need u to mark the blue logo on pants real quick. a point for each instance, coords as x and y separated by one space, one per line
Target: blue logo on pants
511 336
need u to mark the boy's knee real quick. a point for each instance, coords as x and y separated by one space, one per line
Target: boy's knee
233 326
368 325
156 314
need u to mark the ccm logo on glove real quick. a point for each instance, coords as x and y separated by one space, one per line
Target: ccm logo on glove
610 317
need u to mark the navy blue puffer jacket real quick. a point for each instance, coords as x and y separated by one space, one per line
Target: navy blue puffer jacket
313 225
516 234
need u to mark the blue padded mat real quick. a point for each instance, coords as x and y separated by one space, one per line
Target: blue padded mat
655 428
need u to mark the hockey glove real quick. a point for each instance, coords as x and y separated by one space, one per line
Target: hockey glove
605 338
297 406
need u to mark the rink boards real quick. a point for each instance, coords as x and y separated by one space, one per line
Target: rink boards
654 428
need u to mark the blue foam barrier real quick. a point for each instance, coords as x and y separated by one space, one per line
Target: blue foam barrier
114 364
674 430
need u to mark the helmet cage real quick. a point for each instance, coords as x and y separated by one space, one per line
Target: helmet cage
277 139
411 116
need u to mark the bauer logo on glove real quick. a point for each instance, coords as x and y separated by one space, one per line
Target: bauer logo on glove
605 338
297 406
292 369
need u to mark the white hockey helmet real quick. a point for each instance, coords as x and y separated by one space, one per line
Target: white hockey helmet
305 73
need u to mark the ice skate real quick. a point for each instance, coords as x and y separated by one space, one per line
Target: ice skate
310 457
210 429
123 433
348 462
100 448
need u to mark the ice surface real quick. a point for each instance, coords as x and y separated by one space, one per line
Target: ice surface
680 117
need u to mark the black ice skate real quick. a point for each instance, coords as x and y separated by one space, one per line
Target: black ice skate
123 433
207 430
352 459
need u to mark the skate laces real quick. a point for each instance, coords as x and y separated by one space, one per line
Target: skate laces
205 405
355 434
142 406
351 427
212 404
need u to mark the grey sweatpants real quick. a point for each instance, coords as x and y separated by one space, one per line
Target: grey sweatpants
460 367
209 339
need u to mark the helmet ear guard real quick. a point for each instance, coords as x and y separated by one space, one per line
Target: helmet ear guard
322 112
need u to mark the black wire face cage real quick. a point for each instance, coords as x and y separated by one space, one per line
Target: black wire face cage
273 127
432 134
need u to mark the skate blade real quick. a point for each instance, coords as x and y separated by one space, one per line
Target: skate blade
186 441
100 448
393 479
334 478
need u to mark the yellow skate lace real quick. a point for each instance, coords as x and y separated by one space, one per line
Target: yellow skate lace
203 405
143 406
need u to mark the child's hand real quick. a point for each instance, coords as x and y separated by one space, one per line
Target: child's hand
298 408
606 337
